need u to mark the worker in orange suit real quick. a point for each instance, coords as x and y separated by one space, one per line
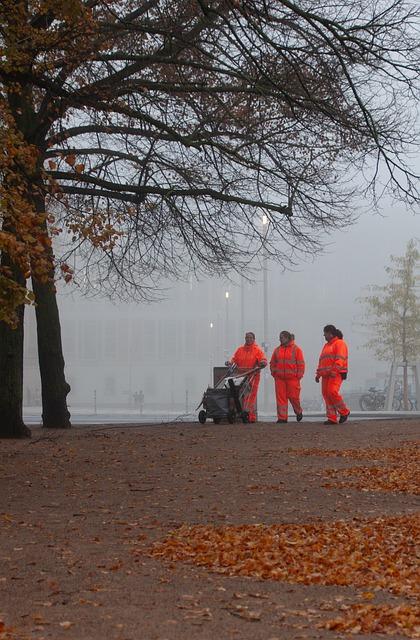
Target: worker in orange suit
333 368
287 367
248 356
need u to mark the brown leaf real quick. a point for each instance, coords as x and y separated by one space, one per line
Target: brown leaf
70 159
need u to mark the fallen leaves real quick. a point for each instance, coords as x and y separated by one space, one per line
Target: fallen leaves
192 610
386 619
400 470
243 611
115 501
370 553
7 633
66 624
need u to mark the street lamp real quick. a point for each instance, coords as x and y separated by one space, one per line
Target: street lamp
211 347
265 304
242 305
227 323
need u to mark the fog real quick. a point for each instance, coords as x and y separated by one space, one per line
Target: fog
168 349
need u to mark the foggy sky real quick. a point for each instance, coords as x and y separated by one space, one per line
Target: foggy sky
302 301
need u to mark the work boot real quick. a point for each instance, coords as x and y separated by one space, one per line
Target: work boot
299 416
344 418
330 422
281 421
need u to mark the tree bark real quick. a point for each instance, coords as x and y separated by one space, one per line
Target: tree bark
11 374
405 386
404 356
54 387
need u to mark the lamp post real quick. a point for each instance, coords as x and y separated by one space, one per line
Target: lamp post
226 324
211 347
242 305
265 305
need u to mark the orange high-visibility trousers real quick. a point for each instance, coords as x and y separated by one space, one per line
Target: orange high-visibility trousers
287 390
334 402
249 401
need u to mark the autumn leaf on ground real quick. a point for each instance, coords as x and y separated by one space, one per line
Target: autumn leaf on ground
384 619
242 611
66 624
7 633
378 552
399 470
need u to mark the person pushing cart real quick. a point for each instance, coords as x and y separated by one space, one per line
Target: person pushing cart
249 356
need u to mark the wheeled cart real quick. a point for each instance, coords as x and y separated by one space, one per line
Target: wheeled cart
226 400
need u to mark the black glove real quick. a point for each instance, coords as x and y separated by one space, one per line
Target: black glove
317 379
227 363
343 376
262 364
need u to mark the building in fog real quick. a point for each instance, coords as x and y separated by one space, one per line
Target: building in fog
165 350
168 349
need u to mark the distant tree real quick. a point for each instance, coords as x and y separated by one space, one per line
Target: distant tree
393 313
155 135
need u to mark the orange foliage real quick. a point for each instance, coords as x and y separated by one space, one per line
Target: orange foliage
21 235
98 228
374 553
25 231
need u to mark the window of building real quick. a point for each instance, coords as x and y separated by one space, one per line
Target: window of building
150 338
150 386
90 340
167 340
109 386
110 340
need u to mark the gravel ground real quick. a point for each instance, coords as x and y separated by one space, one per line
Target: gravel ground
78 507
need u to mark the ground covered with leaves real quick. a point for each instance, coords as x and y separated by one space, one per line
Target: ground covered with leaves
186 531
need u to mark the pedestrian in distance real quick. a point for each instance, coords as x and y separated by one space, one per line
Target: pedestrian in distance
332 369
248 356
287 366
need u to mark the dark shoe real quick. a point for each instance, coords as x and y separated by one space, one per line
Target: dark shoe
299 416
330 422
343 418
281 422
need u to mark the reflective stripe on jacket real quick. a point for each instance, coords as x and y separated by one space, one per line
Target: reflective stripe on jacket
287 362
248 356
333 359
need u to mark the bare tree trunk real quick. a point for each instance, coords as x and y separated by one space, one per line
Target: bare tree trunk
405 385
11 374
51 361
404 357
54 388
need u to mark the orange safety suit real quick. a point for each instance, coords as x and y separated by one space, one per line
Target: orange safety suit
333 361
287 367
249 356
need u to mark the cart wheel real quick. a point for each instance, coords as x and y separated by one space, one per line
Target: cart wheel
202 416
231 416
217 420
245 417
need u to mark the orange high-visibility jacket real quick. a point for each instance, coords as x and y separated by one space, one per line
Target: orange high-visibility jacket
333 359
248 356
287 362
